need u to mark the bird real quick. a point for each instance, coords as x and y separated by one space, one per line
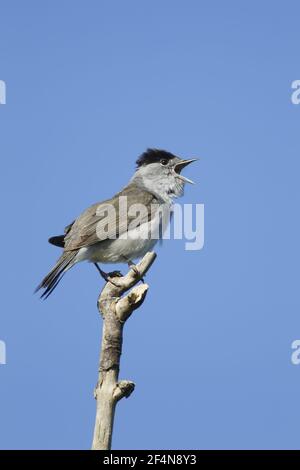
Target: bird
111 232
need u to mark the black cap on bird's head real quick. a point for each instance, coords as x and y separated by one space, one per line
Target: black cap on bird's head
154 156
166 159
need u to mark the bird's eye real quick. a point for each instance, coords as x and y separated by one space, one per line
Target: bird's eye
164 161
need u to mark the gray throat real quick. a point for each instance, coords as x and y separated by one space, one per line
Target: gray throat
164 189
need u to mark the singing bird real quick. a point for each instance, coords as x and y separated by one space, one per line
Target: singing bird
116 238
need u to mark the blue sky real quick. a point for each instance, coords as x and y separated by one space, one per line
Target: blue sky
90 85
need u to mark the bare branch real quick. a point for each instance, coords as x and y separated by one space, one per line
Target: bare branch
124 388
115 311
126 305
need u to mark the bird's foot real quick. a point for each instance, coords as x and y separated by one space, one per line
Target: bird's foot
108 276
115 274
111 275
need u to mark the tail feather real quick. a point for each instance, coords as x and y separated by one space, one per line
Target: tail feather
59 240
49 282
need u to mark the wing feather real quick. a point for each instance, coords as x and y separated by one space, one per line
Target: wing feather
104 220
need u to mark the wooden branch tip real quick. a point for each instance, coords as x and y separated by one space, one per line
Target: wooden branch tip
130 302
124 388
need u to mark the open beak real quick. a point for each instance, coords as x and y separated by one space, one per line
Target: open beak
180 165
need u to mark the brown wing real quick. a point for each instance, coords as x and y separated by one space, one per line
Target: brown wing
107 220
